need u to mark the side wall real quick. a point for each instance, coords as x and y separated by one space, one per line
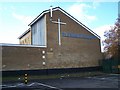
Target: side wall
74 52
26 39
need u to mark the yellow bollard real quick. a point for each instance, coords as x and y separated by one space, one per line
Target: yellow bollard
26 78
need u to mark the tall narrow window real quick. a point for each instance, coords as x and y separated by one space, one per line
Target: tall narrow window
39 32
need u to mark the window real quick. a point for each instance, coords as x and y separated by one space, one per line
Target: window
39 32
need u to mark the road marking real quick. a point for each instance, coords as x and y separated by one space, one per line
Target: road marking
31 84
52 87
3 85
20 84
12 86
7 86
103 78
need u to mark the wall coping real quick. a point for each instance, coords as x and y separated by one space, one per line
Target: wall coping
19 45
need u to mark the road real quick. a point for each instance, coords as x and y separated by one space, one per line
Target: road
106 81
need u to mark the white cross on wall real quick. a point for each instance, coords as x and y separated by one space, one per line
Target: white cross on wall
59 29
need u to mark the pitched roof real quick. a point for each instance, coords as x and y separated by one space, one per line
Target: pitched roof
24 33
70 16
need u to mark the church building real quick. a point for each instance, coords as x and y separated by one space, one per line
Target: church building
55 40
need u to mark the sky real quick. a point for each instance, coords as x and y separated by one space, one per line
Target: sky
15 16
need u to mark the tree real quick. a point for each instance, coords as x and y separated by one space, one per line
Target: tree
112 41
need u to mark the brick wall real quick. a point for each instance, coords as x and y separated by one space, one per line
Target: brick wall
74 52
22 58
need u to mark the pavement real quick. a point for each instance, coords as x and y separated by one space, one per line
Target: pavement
106 81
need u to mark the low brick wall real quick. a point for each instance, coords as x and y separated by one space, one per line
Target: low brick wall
22 58
36 58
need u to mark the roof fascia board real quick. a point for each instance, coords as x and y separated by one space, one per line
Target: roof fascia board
58 8
79 22
44 12
19 45
24 33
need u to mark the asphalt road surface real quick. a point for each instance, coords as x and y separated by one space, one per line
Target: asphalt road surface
106 81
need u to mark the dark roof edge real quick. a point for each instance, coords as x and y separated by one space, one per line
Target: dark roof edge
24 33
